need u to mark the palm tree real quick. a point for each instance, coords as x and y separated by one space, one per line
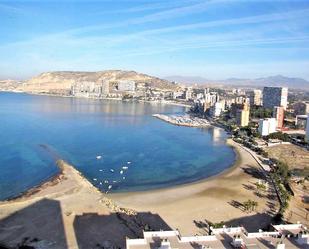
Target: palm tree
250 206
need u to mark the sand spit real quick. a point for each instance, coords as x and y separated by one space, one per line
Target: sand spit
69 212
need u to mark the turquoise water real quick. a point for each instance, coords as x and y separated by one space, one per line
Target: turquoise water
37 130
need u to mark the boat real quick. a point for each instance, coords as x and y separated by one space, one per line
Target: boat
114 181
110 186
99 157
123 177
95 179
121 172
129 162
101 170
100 183
112 170
125 167
105 181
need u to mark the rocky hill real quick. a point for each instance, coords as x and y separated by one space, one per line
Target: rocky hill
63 80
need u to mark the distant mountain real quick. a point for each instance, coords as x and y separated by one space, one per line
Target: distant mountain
63 80
278 80
187 79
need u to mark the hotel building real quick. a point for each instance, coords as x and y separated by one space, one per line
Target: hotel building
275 96
267 126
256 97
242 116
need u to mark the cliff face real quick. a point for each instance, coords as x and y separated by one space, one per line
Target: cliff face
62 81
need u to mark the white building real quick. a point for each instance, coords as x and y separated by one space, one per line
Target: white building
216 109
211 98
256 97
267 126
126 85
307 130
282 236
200 96
189 93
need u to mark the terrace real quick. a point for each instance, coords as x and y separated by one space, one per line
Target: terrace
283 236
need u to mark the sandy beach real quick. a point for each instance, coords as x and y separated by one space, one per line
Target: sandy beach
80 216
215 199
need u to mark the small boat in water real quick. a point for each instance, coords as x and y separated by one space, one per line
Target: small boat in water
121 172
99 157
129 162
125 167
123 177
101 170
112 170
110 186
105 181
114 181
95 179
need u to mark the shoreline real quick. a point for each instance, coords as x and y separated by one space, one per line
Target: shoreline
224 172
211 199
206 200
50 181
237 162
58 177
116 99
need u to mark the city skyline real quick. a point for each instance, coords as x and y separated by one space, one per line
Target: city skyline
211 39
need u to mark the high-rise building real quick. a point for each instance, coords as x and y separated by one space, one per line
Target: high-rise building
105 88
307 130
211 99
267 126
278 114
275 96
263 127
206 90
216 110
242 116
189 93
256 97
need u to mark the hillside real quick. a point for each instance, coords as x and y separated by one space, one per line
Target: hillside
63 80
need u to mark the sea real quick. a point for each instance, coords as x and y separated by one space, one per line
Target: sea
118 146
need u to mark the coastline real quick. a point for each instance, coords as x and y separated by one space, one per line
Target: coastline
237 162
213 199
60 176
117 215
210 199
53 180
116 99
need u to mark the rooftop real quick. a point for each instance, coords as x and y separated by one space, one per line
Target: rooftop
283 236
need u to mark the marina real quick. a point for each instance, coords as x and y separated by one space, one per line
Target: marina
183 120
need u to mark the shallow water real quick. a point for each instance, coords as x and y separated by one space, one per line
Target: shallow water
36 130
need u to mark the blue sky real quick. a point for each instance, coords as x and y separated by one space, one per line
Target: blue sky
215 39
